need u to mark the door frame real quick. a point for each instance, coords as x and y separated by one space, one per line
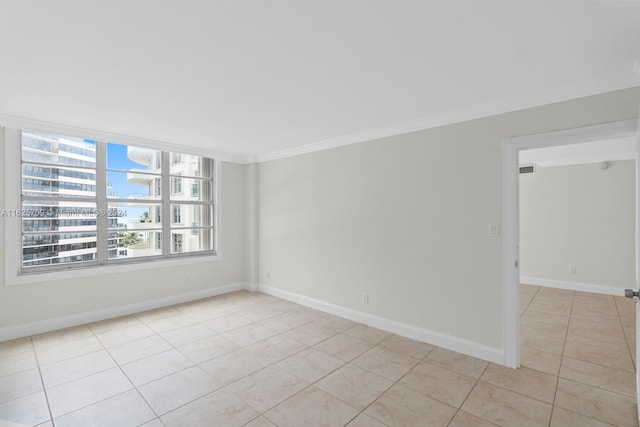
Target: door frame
511 148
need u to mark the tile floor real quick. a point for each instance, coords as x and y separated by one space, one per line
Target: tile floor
252 359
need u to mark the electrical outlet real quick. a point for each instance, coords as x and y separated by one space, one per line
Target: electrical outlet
268 275
365 298
573 271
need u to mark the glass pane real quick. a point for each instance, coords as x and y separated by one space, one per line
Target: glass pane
140 216
127 157
58 248
53 181
134 244
39 215
190 165
192 189
63 150
191 215
133 185
191 240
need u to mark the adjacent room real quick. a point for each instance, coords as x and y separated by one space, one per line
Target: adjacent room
242 213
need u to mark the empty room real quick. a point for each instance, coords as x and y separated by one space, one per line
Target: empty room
243 213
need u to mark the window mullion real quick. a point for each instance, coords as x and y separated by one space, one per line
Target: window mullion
102 225
166 205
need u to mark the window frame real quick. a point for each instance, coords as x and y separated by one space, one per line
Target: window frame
14 274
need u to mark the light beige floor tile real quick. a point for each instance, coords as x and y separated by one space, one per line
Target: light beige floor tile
116 323
542 342
172 391
334 323
20 384
77 367
139 349
439 383
250 334
344 347
157 366
367 334
586 308
610 342
170 323
232 366
579 315
187 335
260 313
364 420
85 391
311 365
408 347
506 408
606 328
276 348
227 323
354 385
554 319
461 363
564 418
283 305
465 419
17 362
281 323
210 312
208 348
598 376
310 333
550 307
220 408
311 407
305 315
261 421
613 408
267 388
56 353
537 328
153 423
124 335
540 360
599 355
402 407
126 409
525 381
28 410
20 345
61 336
384 362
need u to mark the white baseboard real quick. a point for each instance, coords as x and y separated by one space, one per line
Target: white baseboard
460 345
42 326
572 286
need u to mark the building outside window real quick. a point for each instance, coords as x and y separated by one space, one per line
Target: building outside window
77 204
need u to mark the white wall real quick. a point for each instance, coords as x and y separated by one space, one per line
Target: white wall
22 304
580 217
407 219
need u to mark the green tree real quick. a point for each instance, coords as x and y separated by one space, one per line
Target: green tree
128 239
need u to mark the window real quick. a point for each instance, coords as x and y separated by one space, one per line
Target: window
85 202
177 243
177 216
177 184
195 190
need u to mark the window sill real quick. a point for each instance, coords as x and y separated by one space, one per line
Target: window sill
16 280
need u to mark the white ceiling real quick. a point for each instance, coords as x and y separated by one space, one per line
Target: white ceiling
587 152
259 79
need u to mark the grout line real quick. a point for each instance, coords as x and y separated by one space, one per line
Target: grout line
44 388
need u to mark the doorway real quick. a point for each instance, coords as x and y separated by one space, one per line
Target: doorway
512 148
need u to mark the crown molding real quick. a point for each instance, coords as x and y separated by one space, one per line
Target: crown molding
456 116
